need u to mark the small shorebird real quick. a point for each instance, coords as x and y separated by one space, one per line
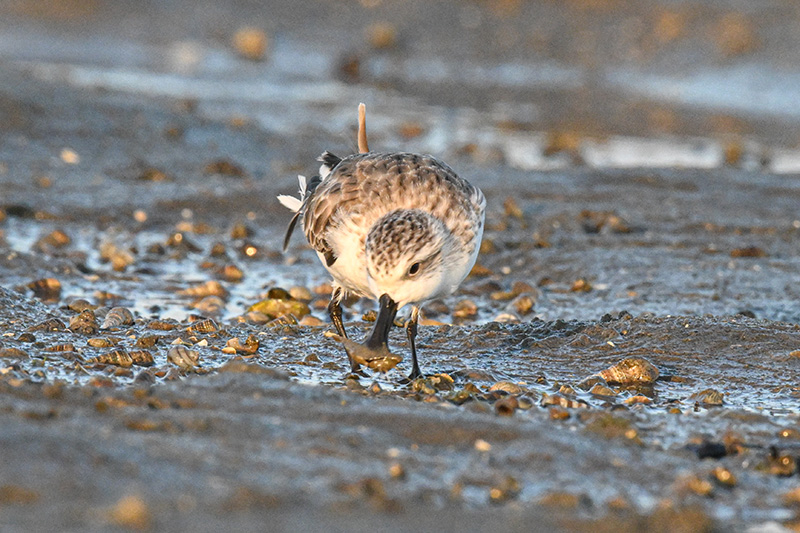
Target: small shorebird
396 227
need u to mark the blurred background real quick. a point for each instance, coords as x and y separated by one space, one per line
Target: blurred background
533 85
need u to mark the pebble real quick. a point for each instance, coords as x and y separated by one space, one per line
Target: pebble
251 43
131 512
465 309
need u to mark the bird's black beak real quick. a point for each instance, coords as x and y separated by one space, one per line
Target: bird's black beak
380 331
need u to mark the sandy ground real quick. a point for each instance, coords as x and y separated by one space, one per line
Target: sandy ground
140 157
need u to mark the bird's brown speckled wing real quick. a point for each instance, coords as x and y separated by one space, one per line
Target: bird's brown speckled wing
366 186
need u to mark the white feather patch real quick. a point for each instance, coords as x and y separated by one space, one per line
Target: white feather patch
290 201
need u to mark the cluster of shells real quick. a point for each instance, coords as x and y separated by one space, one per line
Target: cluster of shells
629 383
111 342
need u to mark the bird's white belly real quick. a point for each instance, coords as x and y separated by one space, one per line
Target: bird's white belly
350 268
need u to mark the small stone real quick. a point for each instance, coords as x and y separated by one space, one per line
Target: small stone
311 320
522 304
300 293
465 309
482 446
251 43
381 35
507 386
750 251
724 477
708 398
581 285
131 512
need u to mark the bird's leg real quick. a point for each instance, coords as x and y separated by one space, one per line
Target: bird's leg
374 351
335 311
411 332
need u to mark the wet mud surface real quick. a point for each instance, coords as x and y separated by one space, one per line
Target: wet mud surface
624 357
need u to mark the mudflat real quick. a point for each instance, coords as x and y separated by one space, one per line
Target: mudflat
624 357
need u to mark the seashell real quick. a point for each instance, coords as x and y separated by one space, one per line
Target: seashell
708 397
141 357
385 363
209 288
99 342
435 382
183 357
522 304
274 308
13 352
51 324
602 390
459 397
161 325
637 399
506 318
117 317
249 347
506 406
524 402
147 341
507 489
241 231
60 348
563 401
724 477
501 295
781 464
507 386
218 250
226 167
300 293
119 357
55 239
84 323
629 371
79 305
282 321
278 293
310 320
588 383
207 325
103 297
465 309
46 289
567 390
254 317
423 385
119 258
210 305
230 273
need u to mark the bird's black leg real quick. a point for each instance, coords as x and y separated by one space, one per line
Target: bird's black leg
411 332
335 311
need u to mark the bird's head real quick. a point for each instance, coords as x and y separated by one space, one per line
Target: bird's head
407 252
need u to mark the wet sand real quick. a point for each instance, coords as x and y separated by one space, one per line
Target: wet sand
134 173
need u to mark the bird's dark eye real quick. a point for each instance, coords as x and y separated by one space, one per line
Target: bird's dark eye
414 269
